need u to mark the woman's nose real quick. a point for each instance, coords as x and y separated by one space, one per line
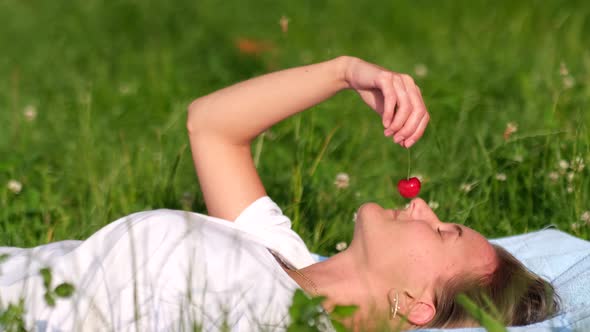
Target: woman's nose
418 204
421 210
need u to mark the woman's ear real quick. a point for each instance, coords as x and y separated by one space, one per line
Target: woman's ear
420 313
417 311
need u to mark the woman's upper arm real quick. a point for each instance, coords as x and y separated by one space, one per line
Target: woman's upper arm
222 125
227 175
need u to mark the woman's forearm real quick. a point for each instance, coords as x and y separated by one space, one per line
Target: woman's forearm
240 112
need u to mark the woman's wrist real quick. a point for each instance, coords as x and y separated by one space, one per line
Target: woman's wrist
343 64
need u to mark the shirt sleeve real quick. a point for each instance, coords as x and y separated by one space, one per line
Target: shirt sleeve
263 213
265 220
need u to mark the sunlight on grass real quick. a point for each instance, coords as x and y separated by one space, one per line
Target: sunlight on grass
94 95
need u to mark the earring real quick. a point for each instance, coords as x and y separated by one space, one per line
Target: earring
393 304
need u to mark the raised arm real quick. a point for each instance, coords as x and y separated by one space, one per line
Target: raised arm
222 124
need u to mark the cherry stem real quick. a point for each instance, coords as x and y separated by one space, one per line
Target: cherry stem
409 160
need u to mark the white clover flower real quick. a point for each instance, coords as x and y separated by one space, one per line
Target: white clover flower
466 187
563 166
575 226
569 189
342 181
341 246
585 217
568 82
30 113
563 71
501 177
354 216
511 128
14 186
420 70
577 164
518 158
433 205
570 176
407 206
553 176
419 176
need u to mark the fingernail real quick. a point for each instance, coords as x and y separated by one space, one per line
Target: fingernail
398 139
409 143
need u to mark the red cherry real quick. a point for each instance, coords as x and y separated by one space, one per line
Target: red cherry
409 188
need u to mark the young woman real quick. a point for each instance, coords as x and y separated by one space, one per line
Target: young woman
405 263
239 265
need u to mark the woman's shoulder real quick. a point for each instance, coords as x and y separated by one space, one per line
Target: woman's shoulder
265 220
261 223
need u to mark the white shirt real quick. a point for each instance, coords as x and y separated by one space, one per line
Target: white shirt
164 270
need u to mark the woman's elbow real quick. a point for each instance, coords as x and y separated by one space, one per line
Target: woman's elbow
193 115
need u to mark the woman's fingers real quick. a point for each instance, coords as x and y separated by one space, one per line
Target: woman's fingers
408 119
417 109
389 98
404 108
419 131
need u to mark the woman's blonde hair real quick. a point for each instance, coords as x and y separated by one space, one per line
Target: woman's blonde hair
512 294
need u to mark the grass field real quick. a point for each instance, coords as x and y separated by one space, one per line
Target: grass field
93 102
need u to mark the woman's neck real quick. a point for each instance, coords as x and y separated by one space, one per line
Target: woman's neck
339 279
343 279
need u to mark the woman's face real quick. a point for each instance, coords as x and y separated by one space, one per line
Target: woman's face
414 245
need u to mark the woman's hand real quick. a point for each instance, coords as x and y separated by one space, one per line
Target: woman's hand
392 95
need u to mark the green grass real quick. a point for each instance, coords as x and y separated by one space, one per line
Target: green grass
111 81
